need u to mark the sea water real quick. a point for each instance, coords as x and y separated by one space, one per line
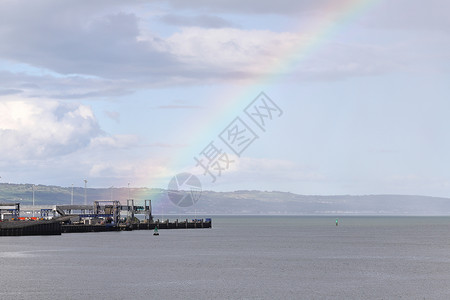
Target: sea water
239 258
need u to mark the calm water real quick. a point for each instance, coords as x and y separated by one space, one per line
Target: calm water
240 258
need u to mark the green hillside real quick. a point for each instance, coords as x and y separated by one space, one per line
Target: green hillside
237 202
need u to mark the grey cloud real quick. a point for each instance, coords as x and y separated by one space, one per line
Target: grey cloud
29 86
4 92
206 21
70 43
85 41
70 87
80 87
284 7
96 40
113 92
336 61
113 115
411 15
401 14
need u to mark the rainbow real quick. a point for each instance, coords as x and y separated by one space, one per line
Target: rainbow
230 104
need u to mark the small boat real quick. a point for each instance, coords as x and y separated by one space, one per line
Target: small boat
155 232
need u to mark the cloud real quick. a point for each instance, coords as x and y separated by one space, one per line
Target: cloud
57 141
142 171
234 54
411 15
206 21
101 164
114 92
259 173
276 169
229 52
34 130
122 141
166 145
82 41
108 49
284 7
4 92
113 115
400 14
175 106
112 47
62 87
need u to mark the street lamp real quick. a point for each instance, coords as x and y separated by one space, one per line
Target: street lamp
32 187
129 191
71 198
111 193
85 195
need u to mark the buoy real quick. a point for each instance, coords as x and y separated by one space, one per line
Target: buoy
336 222
155 232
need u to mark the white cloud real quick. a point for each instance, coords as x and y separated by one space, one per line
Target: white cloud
241 54
37 129
151 172
229 52
61 142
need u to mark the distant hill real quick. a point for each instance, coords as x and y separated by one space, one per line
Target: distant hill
238 202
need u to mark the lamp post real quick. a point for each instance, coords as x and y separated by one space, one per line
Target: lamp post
71 196
111 193
85 195
32 187
129 190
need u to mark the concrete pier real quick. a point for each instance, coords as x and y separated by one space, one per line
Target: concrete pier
103 215
185 224
20 228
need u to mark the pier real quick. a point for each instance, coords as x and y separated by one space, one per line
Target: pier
185 224
102 216
41 227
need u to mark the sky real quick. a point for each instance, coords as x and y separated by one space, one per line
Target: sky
355 94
